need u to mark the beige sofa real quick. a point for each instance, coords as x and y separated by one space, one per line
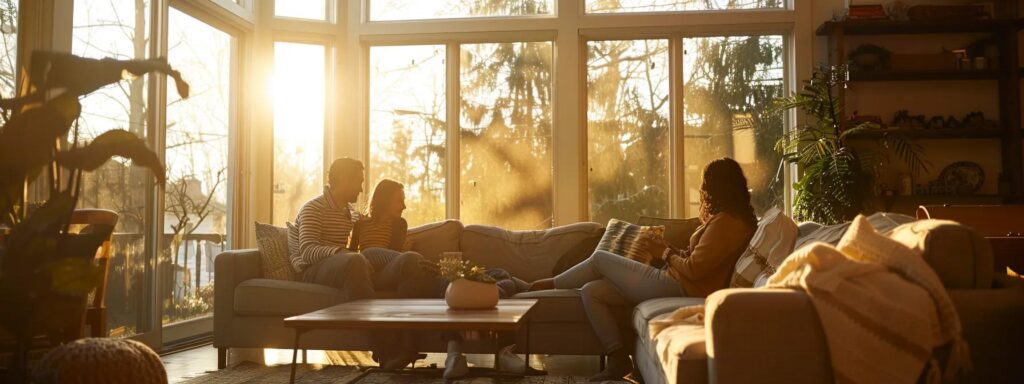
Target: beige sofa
752 335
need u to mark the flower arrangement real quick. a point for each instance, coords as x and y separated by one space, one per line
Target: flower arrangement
453 269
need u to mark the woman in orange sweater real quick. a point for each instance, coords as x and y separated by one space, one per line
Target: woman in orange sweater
610 280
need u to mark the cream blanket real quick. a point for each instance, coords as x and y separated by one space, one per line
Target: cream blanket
883 309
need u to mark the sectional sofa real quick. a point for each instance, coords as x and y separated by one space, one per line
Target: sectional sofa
751 335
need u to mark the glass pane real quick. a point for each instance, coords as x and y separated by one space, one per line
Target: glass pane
109 28
9 50
298 97
505 134
407 126
726 112
625 6
196 194
302 9
383 10
628 140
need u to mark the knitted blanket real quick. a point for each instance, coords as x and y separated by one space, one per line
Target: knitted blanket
884 311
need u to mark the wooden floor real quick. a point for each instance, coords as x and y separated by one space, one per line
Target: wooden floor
195 362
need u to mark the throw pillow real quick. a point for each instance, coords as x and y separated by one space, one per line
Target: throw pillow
293 241
641 243
677 231
272 242
772 242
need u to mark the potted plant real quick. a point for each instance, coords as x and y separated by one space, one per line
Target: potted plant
46 271
835 179
469 287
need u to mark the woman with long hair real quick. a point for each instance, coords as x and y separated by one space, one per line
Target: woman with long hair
608 280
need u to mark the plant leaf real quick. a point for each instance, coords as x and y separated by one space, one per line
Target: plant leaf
81 76
112 143
27 140
74 276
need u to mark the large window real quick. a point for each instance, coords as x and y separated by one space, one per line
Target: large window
298 88
118 29
617 6
383 10
8 47
505 135
628 135
730 83
302 9
408 131
196 199
728 87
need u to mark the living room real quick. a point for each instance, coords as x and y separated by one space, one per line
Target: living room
370 191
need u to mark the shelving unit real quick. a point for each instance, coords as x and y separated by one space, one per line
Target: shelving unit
1008 75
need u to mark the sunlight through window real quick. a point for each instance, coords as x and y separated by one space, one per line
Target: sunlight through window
297 91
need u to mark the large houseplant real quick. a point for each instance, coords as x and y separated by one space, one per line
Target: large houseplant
835 179
46 271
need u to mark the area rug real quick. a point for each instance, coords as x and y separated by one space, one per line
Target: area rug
422 377
249 372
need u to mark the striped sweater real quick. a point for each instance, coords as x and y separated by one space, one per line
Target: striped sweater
324 229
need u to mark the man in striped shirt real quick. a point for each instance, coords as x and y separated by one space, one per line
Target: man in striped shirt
325 224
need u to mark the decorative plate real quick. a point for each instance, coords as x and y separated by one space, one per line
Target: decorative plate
966 176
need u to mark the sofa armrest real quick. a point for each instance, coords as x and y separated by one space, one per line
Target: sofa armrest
230 269
765 336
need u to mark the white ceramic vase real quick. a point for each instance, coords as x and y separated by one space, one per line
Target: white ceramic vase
468 294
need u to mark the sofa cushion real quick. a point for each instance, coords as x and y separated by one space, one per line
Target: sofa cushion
272 242
957 253
575 255
771 243
528 255
677 231
269 297
431 239
882 222
678 349
648 310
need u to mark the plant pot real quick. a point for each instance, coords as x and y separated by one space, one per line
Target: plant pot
468 294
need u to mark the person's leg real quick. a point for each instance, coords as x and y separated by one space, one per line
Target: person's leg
598 297
405 274
346 271
582 273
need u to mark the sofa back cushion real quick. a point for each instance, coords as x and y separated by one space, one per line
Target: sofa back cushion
957 253
430 240
528 255
883 222
772 242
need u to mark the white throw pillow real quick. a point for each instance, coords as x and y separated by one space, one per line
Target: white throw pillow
772 242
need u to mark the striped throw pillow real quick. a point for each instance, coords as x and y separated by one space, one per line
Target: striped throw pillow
272 242
641 243
772 242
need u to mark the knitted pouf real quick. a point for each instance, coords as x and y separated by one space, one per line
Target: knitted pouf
99 360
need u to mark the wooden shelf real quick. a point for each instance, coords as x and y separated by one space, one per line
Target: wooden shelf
894 27
864 76
964 133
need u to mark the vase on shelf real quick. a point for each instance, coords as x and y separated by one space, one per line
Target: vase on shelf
469 294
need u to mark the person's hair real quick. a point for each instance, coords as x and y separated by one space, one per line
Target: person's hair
382 194
724 190
341 169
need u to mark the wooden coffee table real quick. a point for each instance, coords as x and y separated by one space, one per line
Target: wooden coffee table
413 315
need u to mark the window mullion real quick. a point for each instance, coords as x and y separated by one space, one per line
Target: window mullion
452 105
677 163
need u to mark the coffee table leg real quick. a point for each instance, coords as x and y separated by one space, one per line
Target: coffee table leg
295 355
526 349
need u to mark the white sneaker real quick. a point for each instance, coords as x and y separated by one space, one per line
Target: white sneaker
455 367
510 362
